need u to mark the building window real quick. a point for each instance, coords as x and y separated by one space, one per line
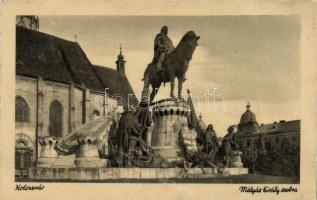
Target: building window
248 143
294 139
22 111
56 119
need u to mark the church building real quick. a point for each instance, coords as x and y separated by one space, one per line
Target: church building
58 89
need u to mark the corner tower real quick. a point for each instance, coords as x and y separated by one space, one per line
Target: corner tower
28 21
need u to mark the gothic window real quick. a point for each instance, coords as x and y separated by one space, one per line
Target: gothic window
22 111
55 119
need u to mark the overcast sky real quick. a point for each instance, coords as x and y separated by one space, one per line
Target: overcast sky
247 58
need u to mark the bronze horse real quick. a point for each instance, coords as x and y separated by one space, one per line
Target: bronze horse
174 66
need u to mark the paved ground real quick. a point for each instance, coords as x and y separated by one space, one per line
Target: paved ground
238 179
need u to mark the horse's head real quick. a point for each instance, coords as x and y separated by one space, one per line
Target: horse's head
188 44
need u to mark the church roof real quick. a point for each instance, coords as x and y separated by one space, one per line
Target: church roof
56 59
53 58
38 54
116 84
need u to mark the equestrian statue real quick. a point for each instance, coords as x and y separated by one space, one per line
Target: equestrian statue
168 64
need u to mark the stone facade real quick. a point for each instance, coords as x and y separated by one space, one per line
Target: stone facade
58 90
101 174
169 119
273 134
69 96
48 154
26 88
88 156
55 92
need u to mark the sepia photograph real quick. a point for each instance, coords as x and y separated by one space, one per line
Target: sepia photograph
158 99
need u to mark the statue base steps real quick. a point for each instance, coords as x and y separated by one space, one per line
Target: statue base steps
99 174
45 162
64 161
236 171
90 162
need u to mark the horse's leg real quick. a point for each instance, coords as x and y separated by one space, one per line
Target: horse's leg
154 92
145 91
172 87
180 87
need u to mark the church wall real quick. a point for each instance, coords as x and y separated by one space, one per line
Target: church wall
78 103
27 89
96 103
56 91
108 107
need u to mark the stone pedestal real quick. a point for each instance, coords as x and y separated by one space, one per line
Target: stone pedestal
236 159
48 154
169 118
88 155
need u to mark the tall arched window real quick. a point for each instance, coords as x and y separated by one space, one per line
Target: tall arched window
56 119
22 111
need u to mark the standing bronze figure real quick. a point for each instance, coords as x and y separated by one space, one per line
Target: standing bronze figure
228 145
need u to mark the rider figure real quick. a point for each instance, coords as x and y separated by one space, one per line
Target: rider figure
163 45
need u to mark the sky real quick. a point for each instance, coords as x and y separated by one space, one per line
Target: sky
239 59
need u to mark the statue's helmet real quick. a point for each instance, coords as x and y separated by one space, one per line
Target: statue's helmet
230 129
210 127
164 30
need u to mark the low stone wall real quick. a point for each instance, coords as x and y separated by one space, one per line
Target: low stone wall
236 171
95 174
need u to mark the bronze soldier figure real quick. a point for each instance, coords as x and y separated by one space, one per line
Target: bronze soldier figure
163 45
211 142
228 145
